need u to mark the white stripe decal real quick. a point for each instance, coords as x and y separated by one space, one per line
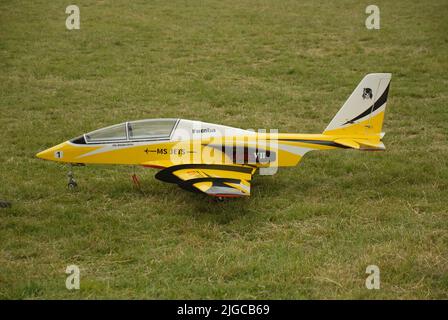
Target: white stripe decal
294 150
111 147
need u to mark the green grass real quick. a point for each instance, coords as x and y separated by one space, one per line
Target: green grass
306 233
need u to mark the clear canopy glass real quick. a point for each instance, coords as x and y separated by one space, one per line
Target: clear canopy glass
151 129
112 133
135 130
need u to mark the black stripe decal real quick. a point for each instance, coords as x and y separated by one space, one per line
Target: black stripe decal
244 154
378 103
320 142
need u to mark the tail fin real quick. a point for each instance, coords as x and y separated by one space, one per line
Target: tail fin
362 114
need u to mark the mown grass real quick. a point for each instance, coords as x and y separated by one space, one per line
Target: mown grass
307 232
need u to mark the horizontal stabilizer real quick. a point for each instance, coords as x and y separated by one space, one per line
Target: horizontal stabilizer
348 143
361 144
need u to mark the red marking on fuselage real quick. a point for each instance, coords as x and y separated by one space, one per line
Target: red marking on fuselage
228 195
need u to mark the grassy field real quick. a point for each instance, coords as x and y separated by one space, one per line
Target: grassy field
305 233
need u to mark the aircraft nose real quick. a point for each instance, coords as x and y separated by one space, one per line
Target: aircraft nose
46 154
41 154
55 153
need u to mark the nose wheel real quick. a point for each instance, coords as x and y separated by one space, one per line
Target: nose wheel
71 181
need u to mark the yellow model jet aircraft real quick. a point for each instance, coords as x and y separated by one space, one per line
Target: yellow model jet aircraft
219 160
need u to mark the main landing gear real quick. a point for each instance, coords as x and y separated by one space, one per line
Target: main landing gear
136 181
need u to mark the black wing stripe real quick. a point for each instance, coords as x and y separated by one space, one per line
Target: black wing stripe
167 175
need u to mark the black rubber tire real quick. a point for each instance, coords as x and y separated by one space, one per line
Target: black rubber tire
5 204
72 185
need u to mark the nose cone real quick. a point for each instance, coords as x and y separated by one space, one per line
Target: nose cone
55 153
42 154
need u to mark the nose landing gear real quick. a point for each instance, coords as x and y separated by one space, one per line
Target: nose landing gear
72 185
71 181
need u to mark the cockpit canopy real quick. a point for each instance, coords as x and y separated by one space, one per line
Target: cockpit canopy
152 129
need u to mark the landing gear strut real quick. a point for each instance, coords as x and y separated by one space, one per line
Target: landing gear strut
136 181
71 181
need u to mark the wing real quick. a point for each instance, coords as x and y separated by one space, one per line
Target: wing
214 180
